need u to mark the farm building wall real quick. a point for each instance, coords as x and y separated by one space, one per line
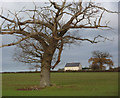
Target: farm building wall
73 68
80 67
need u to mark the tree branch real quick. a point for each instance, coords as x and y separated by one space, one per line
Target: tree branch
11 44
59 55
83 26
85 39
28 21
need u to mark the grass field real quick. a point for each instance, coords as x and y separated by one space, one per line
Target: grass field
67 84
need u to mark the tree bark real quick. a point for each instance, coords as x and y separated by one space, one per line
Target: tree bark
46 65
45 69
101 66
45 74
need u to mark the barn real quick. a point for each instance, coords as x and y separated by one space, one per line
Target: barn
73 67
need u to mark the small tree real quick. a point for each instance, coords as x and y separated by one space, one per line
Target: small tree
46 31
98 60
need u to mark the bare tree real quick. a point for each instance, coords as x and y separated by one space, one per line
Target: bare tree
99 59
48 28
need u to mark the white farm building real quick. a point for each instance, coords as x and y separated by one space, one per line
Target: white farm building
73 67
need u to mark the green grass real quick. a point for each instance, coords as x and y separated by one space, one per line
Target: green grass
67 84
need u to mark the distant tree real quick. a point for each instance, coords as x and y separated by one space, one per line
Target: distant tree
86 68
98 60
61 69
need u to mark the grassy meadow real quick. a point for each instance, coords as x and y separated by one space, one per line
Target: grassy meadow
64 84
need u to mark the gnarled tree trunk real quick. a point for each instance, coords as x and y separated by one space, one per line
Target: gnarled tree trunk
46 65
45 69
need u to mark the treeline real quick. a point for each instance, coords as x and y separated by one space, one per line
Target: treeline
59 70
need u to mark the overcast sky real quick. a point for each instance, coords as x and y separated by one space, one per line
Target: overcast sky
76 53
